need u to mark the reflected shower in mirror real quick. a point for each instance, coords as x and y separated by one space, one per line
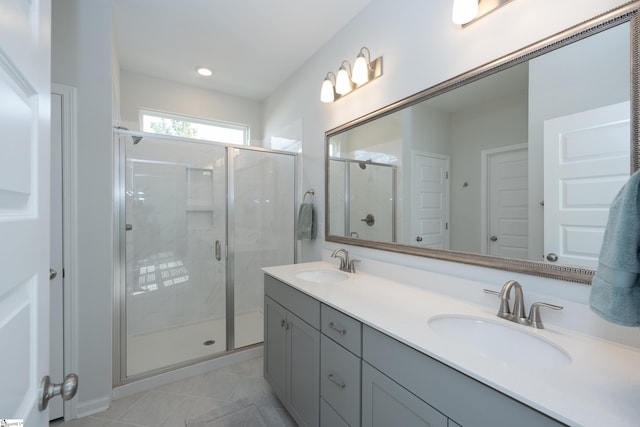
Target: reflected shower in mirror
518 162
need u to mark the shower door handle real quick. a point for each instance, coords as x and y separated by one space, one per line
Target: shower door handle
218 250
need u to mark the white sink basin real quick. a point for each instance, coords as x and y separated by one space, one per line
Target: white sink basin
322 276
499 341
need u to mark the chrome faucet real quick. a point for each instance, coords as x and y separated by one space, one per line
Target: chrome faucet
345 264
518 314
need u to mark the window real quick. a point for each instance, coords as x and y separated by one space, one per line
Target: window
192 127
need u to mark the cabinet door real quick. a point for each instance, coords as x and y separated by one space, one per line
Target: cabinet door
275 346
385 403
303 349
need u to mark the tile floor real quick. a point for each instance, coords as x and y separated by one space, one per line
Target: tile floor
169 405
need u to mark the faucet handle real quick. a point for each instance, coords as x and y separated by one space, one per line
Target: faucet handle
352 265
534 313
504 311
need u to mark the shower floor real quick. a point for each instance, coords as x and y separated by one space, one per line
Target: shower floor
180 344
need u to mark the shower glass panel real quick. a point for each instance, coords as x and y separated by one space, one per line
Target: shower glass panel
363 199
263 220
175 204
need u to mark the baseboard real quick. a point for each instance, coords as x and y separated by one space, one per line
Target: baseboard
92 407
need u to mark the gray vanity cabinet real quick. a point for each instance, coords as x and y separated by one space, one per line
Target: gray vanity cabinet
401 372
329 369
292 350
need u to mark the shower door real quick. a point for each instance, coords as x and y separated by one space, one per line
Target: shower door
175 214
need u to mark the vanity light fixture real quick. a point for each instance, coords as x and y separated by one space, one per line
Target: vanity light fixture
464 11
328 91
343 80
364 70
204 71
468 11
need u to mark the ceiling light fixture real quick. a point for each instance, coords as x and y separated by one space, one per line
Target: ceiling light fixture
348 78
204 71
467 11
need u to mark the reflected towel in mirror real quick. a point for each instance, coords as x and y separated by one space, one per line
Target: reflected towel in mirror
615 288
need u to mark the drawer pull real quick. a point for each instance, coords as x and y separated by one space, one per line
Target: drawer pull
333 380
338 330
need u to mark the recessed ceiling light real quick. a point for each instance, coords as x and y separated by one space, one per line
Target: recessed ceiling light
204 71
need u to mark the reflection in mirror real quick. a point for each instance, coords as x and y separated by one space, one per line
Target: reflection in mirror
521 164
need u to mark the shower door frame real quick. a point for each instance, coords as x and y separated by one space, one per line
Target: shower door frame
119 290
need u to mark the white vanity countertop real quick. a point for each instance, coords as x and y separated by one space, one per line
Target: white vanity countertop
600 387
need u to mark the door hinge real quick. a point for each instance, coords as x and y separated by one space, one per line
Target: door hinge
446 175
446 225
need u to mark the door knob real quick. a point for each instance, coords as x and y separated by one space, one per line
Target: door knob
493 238
418 239
66 389
52 274
552 257
369 220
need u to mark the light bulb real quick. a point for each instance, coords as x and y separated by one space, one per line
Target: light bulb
343 82
204 71
464 11
360 70
326 93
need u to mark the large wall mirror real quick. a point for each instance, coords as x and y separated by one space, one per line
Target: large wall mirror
512 165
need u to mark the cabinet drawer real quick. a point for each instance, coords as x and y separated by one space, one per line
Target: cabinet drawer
329 417
340 380
341 328
300 304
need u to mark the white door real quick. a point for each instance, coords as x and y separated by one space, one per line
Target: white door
507 213
24 206
430 201
586 161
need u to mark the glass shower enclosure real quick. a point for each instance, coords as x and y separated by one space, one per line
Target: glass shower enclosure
196 222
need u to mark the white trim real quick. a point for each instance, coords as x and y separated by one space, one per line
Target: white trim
71 320
484 190
92 407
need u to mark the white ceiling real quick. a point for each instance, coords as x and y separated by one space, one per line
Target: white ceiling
251 45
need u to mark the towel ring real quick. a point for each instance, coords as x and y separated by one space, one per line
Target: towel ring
312 192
